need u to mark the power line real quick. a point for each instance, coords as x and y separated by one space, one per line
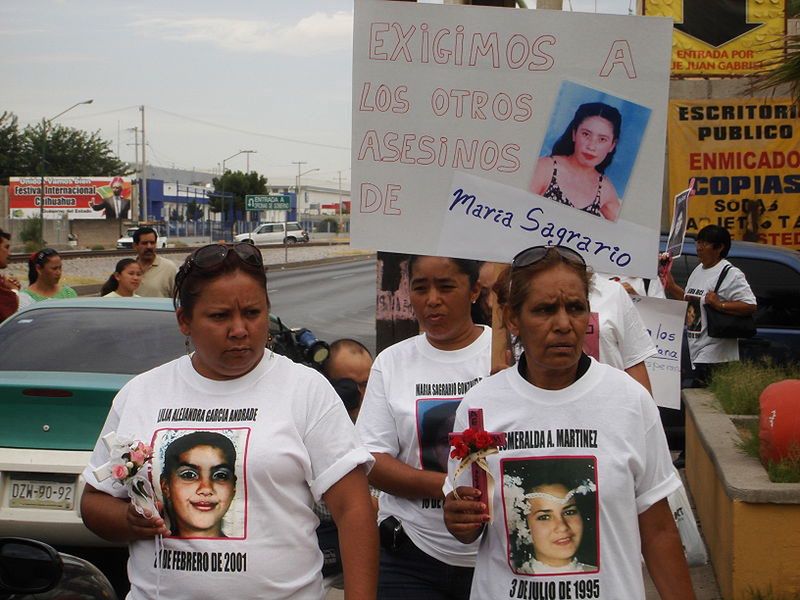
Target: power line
254 133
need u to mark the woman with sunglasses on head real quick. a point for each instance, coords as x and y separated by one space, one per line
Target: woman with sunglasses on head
296 446
44 274
414 388
559 404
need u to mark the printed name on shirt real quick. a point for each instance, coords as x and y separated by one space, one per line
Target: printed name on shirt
213 562
456 388
540 438
210 415
524 589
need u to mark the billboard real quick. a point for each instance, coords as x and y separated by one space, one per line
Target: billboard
722 37
480 131
77 197
745 158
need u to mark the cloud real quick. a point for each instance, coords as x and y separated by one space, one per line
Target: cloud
54 58
316 34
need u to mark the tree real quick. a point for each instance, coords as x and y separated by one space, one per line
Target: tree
10 146
194 212
236 185
784 70
69 151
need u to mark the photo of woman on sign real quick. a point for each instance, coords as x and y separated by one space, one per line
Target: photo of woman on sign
574 172
589 150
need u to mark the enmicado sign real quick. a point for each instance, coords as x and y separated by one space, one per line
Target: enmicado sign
722 37
272 202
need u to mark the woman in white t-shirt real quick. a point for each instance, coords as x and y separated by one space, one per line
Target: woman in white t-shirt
561 410
244 443
124 281
413 391
734 298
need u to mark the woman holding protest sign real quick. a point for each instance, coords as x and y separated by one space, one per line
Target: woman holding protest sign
414 389
561 410
574 173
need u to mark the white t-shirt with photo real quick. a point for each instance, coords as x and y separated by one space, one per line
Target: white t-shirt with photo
703 348
624 341
293 441
604 421
407 413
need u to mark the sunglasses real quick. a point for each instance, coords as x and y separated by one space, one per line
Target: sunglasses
531 256
213 255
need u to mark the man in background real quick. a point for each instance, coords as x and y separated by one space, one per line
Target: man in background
159 273
347 368
115 207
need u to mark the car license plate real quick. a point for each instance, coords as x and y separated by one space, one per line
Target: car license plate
49 491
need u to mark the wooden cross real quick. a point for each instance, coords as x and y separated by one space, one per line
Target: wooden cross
479 476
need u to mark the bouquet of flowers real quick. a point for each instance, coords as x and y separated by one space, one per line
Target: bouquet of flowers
129 466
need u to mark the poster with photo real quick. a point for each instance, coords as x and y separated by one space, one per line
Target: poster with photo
435 418
456 115
198 476
677 230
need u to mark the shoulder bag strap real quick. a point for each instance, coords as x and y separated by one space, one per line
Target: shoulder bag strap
722 275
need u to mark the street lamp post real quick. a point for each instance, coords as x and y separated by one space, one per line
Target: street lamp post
299 175
45 124
248 152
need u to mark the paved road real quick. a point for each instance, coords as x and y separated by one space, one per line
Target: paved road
333 301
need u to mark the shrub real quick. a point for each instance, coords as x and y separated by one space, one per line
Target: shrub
738 385
32 232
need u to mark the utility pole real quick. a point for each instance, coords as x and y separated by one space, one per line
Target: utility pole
135 210
144 172
339 230
299 164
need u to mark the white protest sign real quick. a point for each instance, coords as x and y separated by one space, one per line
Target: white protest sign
568 109
664 320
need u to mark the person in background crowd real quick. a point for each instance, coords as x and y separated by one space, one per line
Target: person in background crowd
734 298
423 374
298 445
347 368
158 279
10 300
628 470
44 274
124 281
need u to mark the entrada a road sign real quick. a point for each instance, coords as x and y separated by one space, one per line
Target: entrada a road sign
271 202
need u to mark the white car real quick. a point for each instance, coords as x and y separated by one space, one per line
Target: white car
274 233
127 240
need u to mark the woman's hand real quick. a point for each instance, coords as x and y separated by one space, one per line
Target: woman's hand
713 300
465 517
145 527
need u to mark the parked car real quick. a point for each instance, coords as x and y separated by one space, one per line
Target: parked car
30 569
275 233
126 241
61 364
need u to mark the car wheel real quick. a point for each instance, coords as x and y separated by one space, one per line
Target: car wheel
290 241
250 241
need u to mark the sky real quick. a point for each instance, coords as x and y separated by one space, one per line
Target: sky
215 78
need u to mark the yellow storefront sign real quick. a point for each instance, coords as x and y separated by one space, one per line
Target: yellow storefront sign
722 37
745 158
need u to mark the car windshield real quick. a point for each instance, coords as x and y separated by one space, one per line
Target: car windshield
130 232
93 340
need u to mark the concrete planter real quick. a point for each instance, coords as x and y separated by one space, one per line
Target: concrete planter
751 525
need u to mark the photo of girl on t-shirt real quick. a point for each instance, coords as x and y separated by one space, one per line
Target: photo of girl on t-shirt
693 324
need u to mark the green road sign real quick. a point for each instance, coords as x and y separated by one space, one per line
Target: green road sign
271 202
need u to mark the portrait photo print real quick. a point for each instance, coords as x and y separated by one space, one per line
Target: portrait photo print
199 477
435 420
551 512
590 150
